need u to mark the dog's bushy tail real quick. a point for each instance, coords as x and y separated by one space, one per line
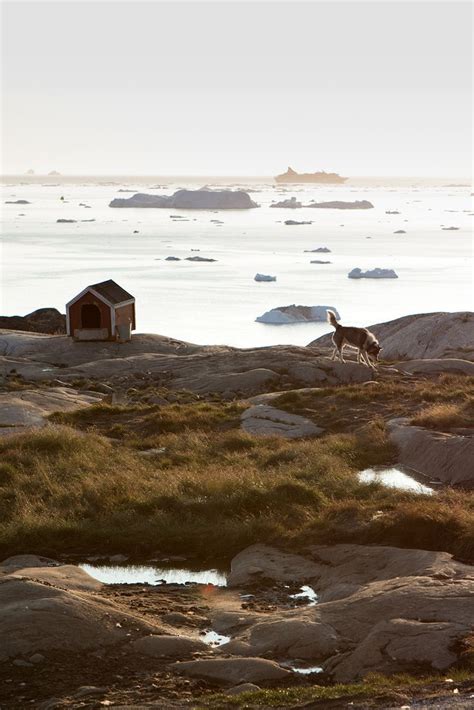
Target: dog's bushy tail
332 318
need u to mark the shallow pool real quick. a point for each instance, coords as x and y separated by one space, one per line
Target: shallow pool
397 477
149 574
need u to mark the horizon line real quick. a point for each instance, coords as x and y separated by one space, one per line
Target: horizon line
217 175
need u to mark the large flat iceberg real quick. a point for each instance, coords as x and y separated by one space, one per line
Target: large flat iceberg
203 199
296 314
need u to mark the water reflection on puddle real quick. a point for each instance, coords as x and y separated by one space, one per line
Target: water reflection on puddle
303 670
395 478
214 639
307 593
148 574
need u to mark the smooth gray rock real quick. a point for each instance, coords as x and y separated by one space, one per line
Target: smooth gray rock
396 644
35 617
161 646
437 366
233 670
445 457
380 609
293 638
24 409
264 420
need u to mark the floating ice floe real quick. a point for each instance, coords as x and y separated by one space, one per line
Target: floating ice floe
372 274
264 277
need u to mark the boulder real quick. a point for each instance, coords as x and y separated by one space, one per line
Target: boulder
264 277
30 408
264 420
165 646
203 199
47 571
259 562
338 571
372 274
380 609
293 638
39 617
398 644
445 457
296 314
230 671
43 320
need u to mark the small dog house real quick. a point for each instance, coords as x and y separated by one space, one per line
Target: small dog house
103 311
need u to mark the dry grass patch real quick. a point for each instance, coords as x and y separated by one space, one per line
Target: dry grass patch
210 492
446 416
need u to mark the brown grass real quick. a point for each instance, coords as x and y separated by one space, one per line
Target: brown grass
446 416
211 492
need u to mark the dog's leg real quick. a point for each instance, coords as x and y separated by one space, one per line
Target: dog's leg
358 356
341 354
368 361
334 353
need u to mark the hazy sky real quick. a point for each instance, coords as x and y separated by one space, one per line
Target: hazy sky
364 88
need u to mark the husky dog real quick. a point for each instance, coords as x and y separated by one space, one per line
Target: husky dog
366 343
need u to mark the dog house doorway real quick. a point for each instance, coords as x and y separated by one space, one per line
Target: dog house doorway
90 316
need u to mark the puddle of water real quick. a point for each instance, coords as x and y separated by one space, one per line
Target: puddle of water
214 639
148 574
395 478
303 670
306 593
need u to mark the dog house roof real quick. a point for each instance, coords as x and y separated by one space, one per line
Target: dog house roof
112 292
108 291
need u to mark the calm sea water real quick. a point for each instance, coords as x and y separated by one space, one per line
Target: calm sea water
45 263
